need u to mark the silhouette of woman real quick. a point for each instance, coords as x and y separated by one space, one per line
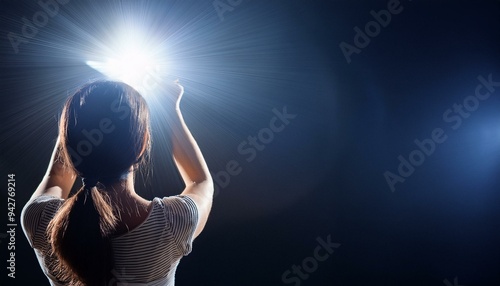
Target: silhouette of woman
106 234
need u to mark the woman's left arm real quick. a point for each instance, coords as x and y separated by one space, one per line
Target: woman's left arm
58 179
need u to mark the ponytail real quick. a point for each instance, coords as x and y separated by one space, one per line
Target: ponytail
80 237
80 231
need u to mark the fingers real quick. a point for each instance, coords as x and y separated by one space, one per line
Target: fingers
173 86
178 87
173 91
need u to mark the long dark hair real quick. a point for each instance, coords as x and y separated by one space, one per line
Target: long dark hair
104 131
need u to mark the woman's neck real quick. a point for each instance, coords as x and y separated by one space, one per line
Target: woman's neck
131 209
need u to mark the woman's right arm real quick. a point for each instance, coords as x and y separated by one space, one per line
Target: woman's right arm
190 162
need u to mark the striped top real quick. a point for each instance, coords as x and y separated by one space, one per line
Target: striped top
146 255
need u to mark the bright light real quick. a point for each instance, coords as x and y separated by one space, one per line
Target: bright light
132 62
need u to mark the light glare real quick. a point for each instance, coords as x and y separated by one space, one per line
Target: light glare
134 66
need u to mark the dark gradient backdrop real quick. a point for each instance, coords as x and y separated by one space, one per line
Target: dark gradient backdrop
319 178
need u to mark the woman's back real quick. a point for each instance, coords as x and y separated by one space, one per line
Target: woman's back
147 254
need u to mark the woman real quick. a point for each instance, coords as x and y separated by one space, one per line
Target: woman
106 234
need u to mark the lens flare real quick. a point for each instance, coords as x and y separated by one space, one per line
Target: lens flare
130 62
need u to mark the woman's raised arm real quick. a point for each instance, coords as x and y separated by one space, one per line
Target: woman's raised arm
189 160
58 180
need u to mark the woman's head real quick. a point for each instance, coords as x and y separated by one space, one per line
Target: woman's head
104 129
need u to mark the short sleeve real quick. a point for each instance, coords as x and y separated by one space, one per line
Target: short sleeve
36 216
181 213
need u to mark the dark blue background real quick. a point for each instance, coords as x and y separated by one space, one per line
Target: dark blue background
323 174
